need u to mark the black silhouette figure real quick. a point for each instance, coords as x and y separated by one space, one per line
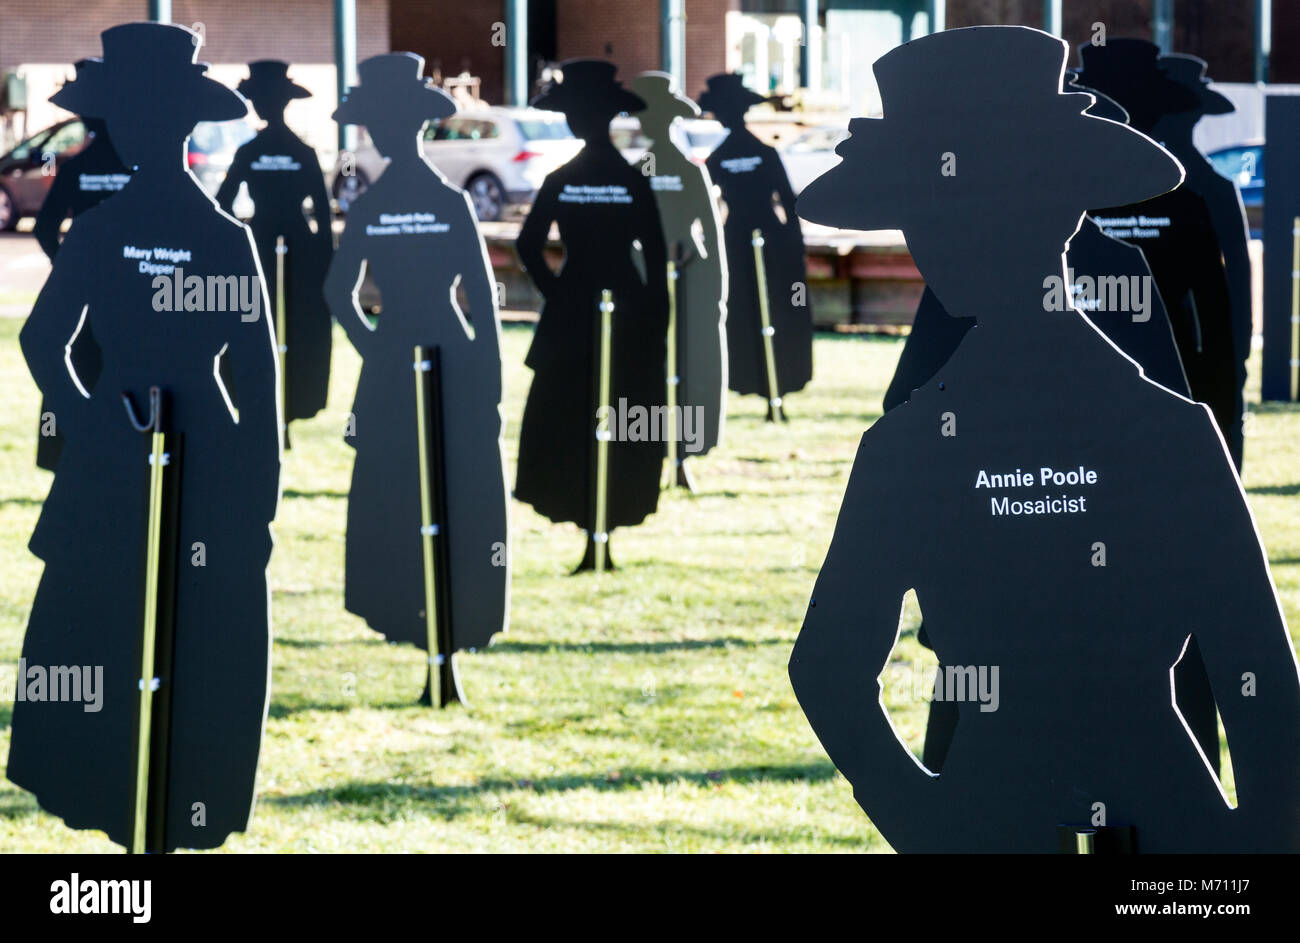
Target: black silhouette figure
1080 591
121 262
757 195
693 235
1281 283
608 222
86 179
416 235
1145 335
1222 199
1175 231
1140 327
281 173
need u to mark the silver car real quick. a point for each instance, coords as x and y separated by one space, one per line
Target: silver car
498 155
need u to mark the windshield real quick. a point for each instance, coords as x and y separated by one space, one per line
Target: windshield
534 129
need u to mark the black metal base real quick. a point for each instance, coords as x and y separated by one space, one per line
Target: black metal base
1096 839
773 414
589 558
449 688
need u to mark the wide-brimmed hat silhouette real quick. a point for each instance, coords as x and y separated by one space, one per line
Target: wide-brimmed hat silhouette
656 88
587 85
148 67
976 123
88 71
727 93
393 84
1128 70
1103 106
268 81
1189 72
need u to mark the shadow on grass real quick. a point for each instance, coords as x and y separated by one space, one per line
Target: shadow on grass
1284 491
294 493
281 710
367 794
22 502
638 648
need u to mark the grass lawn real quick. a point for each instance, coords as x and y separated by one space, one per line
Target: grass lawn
648 710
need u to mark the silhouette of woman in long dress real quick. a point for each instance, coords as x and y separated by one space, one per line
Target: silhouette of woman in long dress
693 235
1145 335
118 264
85 180
1222 200
1066 524
1175 231
608 222
282 173
416 235
757 195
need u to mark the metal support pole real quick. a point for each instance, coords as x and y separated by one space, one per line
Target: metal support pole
443 682
808 54
1162 24
1052 17
936 11
1295 309
673 378
345 60
774 407
282 337
149 800
1263 38
600 536
160 11
516 53
672 41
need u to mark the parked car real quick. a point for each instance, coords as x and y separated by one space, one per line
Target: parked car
212 150
28 170
498 155
811 154
1244 164
698 137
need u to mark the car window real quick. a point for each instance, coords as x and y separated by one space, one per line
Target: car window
1245 165
69 137
35 143
544 130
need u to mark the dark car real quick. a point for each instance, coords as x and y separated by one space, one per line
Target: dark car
27 171
1244 165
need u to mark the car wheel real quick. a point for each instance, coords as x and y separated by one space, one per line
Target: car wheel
488 196
348 188
8 211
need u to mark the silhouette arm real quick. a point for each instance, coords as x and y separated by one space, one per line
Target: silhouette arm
229 188
320 198
256 372
343 282
1231 223
480 293
849 630
49 329
52 213
785 193
531 244
1248 654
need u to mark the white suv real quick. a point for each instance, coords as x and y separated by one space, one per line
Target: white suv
499 155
